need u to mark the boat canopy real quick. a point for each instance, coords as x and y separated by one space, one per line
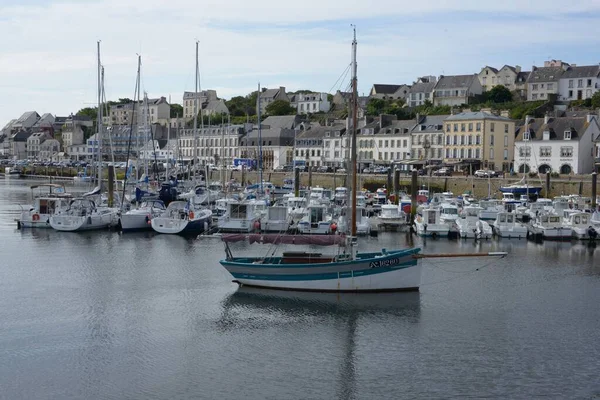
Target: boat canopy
318 240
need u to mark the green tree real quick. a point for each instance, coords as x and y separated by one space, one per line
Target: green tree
176 110
91 112
375 107
596 100
280 107
499 94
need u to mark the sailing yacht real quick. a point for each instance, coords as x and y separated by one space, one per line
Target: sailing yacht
44 206
140 218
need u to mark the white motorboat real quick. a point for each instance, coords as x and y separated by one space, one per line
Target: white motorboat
550 226
363 222
83 215
581 227
471 227
506 225
490 209
240 216
140 218
182 218
44 206
429 223
317 196
392 216
297 207
316 222
341 195
449 215
277 219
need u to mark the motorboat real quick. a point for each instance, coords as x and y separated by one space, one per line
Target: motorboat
506 225
241 216
392 216
82 214
276 220
140 218
44 205
550 226
490 209
521 187
182 218
363 222
317 196
471 227
429 223
296 207
316 222
340 195
580 224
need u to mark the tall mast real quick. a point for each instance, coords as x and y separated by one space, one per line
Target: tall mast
525 171
354 123
168 146
99 117
260 161
195 141
137 128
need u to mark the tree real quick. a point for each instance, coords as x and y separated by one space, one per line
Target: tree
596 100
499 94
176 110
375 107
280 107
91 112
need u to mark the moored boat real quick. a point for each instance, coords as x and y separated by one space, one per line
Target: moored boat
181 218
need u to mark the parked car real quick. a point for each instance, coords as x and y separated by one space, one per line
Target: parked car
442 172
484 173
341 170
279 168
324 168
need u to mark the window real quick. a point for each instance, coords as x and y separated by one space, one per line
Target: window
550 86
447 140
534 96
566 151
455 140
380 143
491 154
567 135
580 83
570 83
448 128
462 153
524 151
589 83
470 127
470 139
492 127
477 153
491 140
462 127
405 143
505 140
455 153
478 139
534 86
455 127
570 93
478 127
470 153
545 151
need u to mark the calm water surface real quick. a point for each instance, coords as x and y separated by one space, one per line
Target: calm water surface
142 316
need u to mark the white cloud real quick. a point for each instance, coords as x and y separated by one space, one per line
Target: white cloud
51 51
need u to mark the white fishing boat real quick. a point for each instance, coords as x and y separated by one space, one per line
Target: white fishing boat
345 271
182 218
581 226
471 227
363 222
506 225
44 205
392 217
240 216
490 209
550 226
317 196
140 218
429 223
340 195
297 207
82 214
316 222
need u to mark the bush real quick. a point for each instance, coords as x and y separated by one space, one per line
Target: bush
533 174
554 175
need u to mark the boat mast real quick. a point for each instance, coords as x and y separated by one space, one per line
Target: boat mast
526 158
168 146
260 161
195 118
99 122
137 127
354 123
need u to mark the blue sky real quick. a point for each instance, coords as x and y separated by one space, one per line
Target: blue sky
48 62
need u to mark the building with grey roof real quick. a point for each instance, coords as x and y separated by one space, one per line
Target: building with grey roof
455 90
579 83
267 96
557 144
190 107
427 138
543 82
389 92
508 76
421 91
26 121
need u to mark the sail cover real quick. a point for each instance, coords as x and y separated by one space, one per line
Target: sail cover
318 240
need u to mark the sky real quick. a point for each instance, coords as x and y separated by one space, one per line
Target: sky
48 48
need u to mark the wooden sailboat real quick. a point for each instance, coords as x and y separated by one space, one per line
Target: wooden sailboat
346 271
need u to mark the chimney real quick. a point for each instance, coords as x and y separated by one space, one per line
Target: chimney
504 113
418 118
589 118
518 68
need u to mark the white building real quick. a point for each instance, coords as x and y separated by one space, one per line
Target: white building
427 138
155 111
336 144
579 83
311 103
455 90
562 144
189 106
77 151
49 149
421 91
215 143
159 150
34 142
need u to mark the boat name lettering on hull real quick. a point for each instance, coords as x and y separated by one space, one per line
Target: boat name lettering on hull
385 263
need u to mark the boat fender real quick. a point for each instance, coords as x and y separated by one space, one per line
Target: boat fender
35 217
333 228
148 221
191 215
89 220
592 233
434 235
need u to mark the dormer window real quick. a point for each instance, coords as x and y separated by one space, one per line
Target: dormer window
526 136
546 135
567 135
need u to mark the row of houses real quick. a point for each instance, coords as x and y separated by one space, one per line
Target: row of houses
563 81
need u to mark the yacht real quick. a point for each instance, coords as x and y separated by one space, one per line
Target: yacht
430 224
471 227
449 215
240 216
391 216
317 196
550 226
506 225
82 214
140 218
296 207
340 195
490 209
276 220
182 218
44 205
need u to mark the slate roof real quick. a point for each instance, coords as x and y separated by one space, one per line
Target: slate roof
385 89
398 127
581 72
491 68
269 93
545 74
455 81
465 116
422 87
279 130
523 76
21 136
431 123
556 127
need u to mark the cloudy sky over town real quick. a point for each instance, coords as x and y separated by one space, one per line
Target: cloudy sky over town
48 51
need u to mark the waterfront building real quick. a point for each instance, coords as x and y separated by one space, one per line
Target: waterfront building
479 139
306 103
215 144
336 149
557 144
49 149
543 82
202 98
421 91
34 142
579 83
73 130
267 96
427 139
389 92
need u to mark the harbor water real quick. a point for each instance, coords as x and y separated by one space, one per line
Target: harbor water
105 315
